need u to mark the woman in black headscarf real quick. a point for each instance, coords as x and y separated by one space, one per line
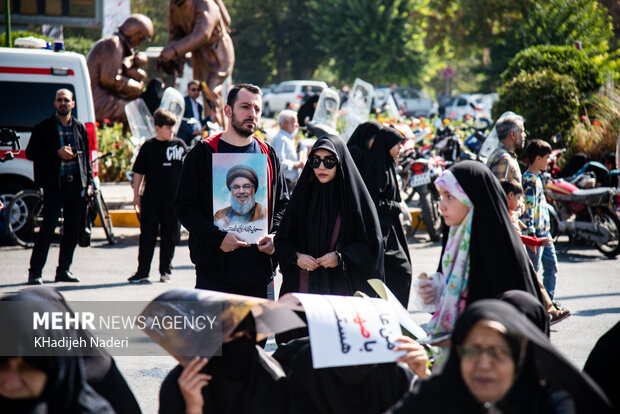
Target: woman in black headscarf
529 306
44 383
603 364
360 142
153 94
502 363
244 379
329 240
378 169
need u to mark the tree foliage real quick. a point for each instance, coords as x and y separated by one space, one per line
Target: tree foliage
377 40
548 101
564 60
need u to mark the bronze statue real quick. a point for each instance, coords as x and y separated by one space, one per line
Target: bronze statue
114 66
201 27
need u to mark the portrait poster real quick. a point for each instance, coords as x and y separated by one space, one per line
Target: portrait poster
347 330
240 195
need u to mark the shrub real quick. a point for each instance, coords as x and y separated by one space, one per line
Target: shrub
597 133
549 102
111 138
563 60
79 45
21 33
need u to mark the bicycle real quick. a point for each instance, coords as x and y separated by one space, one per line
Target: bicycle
24 213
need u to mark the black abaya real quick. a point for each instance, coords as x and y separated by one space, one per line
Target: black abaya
245 379
545 382
66 389
308 227
361 389
378 169
603 364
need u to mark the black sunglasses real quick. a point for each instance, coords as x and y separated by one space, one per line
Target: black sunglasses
329 162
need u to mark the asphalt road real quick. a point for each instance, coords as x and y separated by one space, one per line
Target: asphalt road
588 284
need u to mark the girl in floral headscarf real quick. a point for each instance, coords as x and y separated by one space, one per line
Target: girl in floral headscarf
482 255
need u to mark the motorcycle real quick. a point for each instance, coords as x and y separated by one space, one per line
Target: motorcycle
585 214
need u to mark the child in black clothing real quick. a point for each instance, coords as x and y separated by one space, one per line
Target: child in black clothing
159 162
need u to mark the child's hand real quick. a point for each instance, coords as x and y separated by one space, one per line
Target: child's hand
547 241
426 292
523 226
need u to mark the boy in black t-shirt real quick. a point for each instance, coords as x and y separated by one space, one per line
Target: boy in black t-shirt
159 162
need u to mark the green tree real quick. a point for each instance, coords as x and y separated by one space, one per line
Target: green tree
549 102
377 40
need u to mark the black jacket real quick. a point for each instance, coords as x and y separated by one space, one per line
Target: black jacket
43 149
193 206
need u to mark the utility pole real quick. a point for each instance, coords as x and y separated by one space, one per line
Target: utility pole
7 21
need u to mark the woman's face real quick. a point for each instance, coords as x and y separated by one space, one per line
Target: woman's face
451 208
395 150
487 366
323 174
20 380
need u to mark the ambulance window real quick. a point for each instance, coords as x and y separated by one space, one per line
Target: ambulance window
23 104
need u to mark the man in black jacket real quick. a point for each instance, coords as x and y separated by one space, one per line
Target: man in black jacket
223 261
59 150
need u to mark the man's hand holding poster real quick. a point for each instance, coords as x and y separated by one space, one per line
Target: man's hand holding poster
240 195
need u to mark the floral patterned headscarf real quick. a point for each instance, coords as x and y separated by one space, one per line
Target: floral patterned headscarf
454 262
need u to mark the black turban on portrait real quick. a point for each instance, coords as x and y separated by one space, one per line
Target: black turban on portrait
241 171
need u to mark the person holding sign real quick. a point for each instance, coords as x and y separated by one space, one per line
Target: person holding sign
330 239
225 260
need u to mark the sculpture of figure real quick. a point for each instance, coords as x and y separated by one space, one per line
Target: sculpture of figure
201 27
114 66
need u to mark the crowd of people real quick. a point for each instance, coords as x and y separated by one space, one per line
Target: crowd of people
337 229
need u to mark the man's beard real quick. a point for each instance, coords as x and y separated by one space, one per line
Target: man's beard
242 209
240 128
63 111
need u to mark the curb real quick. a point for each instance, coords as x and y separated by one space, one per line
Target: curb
129 218
121 218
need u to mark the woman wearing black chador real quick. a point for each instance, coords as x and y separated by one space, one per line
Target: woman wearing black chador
329 240
374 149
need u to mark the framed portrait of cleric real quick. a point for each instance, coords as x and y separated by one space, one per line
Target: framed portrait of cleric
240 195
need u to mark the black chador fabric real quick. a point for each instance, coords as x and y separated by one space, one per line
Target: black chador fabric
378 169
603 364
308 225
66 389
359 142
545 381
244 380
498 262
529 306
356 389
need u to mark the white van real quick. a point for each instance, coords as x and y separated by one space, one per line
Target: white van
29 79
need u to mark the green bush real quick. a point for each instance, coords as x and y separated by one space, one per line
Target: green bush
21 33
111 138
549 102
564 60
79 45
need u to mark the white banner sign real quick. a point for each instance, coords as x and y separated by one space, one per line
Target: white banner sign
114 14
347 330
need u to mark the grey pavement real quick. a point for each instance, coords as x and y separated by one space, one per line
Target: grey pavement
588 284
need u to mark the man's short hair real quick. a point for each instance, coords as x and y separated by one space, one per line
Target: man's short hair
234 92
164 117
286 115
510 185
241 171
537 148
506 125
69 91
193 82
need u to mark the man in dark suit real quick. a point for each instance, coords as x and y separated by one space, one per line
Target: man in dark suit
58 147
194 110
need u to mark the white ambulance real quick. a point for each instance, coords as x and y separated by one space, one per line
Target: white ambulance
29 79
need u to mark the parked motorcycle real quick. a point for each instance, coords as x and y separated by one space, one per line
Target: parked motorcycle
585 214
